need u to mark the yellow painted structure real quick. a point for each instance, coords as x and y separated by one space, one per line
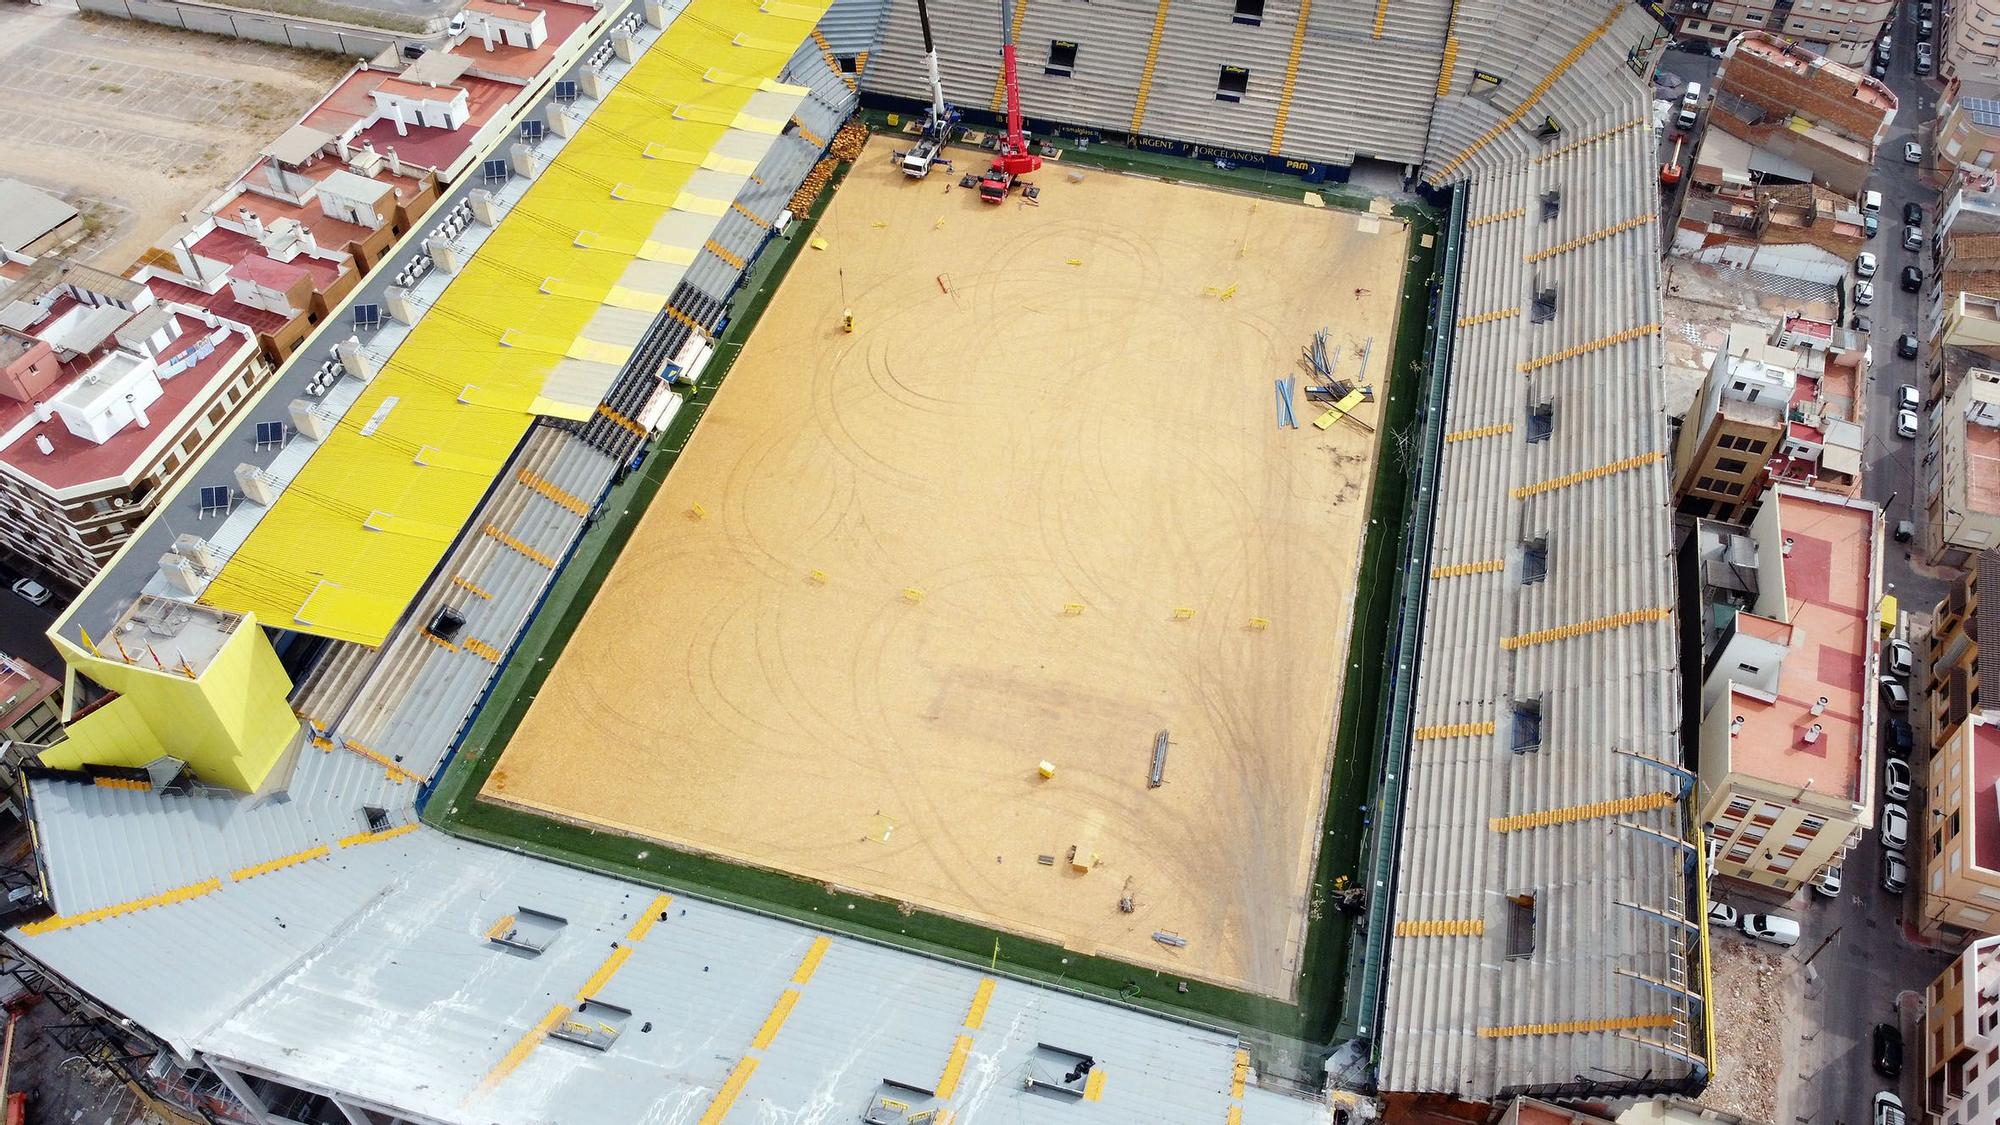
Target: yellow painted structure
230 722
538 322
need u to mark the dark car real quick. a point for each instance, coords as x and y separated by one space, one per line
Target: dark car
1913 214
1879 69
1871 224
1906 346
1861 323
1888 1053
1906 530
1913 279
1902 739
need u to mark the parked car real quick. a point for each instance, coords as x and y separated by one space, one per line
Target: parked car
1895 695
1924 29
1899 657
1913 279
1895 827
1871 225
1722 914
1888 1053
1862 323
1900 738
1913 153
1906 346
1878 68
1913 238
1888 1109
1895 872
1864 264
34 592
1906 423
1864 293
1923 58
1895 780
1771 928
1907 397
1883 46
1906 530
457 25
1913 213
1827 882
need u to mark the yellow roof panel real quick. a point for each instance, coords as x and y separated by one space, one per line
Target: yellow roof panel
349 543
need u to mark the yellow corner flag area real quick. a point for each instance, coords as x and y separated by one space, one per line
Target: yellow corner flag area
537 323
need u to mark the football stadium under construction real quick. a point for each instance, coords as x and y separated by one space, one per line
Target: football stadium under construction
1073 559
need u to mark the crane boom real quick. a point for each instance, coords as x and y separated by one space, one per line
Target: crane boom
1014 160
938 110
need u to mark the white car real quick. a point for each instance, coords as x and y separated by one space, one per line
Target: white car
1895 827
1906 423
1895 873
1888 1109
1907 397
1864 265
1722 914
1913 153
1864 293
34 592
1900 658
1895 780
1771 928
1828 881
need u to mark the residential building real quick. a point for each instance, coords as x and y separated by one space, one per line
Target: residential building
107 392
1961 1053
1785 613
1736 427
1957 841
1966 130
1844 34
1951 687
1795 230
33 222
30 703
1959 474
1968 39
1807 118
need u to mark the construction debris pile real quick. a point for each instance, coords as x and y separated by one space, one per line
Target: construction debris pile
1749 1000
847 143
814 183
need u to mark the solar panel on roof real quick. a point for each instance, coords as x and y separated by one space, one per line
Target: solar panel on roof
493 171
367 316
214 500
270 434
531 129
566 90
1984 111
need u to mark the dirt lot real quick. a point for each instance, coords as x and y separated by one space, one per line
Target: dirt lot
134 124
1035 508
1755 986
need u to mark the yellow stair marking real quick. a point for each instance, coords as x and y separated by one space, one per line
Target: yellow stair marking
1568 479
360 838
954 1066
1234 1116
1441 927
523 1047
1480 432
817 140
694 326
860 64
1596 810
1093 1087
437 640
396 773
1381 16
716 248
1460 570
120 783
462 583
1496 217
164 898
1585 628
604 973
1624 1023
1588 346
746 213
1488 317
779 1013
482 650
279 864
649 919
976 1015
999 101
832 63
548 490
1291 78
517 545
1146 73
1534 95
1447 64
811 963
731 1090
1592 139
1239 1074
1453 730
1593 236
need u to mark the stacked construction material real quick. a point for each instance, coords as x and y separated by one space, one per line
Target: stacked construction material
815 181
847 143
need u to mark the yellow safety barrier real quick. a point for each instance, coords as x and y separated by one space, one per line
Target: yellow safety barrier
1496 217
1622 1023
279 864
460 581
507 540
1593 236
1622 465
1146 71
1260 623
1585 628
1291 78
1454 730
1183 613
817 577
1481 432
1072 609
164 898
396 773
1488 317
1460 570
1587 347
912 595
1592 139
1441 927
1535 95
1596 810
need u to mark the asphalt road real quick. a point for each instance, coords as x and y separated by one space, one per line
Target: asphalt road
1857 965
24 627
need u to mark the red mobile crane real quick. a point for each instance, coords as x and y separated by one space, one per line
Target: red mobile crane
1014 160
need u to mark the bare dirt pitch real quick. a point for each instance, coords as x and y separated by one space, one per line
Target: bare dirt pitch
895 570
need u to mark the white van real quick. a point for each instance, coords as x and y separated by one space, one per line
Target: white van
1771 928
1871 202
1692 98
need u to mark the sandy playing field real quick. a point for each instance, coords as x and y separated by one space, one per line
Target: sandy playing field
963 540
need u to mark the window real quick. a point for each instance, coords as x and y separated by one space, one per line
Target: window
1062 58
1527 725
1534 561
1233 83
1739 853
1735 488
1730 465
1250 12
1951 832
1767 813
1520 926
1541 422
1781 864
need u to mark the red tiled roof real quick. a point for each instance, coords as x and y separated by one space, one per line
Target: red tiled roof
562 21
438 148
80 461
245 257
221 303
417 90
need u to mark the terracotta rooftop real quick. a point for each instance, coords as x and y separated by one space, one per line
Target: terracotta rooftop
22 685
438 148
245 257
406 89
77 461
221 303
561 19
1827 599
1982 468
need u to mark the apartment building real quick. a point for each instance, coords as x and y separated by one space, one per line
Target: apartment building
1843 32
1735 428
1959 474
1960 833
1966 130
1969 39
1960 1050
107 391
30 702
1782 624
1809 119
1951 688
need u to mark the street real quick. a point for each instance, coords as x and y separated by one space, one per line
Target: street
1864 966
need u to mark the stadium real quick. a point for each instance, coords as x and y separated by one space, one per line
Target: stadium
725 628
